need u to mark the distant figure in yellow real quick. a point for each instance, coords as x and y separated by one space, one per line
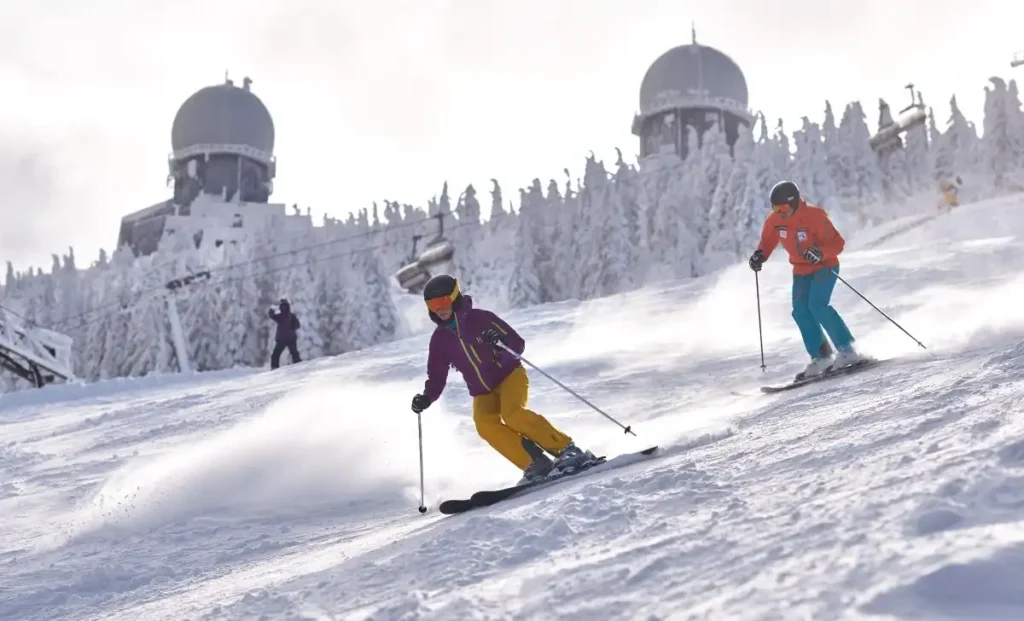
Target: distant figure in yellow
950 197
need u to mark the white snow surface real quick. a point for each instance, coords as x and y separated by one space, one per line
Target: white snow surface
895 493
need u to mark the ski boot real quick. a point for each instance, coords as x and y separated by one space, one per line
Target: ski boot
537 470
571 458
847 358
816 367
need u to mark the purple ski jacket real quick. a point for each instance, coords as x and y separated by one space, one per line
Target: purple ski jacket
461 346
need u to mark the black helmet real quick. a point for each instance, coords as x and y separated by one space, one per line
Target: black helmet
785 193
441 287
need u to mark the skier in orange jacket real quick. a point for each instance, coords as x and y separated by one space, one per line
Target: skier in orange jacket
814 245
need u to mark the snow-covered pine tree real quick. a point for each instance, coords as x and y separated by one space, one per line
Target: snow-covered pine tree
149 348
964 142
627 181
561 274
588 254
617 252
465 263
544 221
201 324
88 351
469 207
369 316
675 238
862 191
895 182
811 169
728 240
242 314
943 156
497 208
1015 122
835 164
541 212
121 294
330 310
998 148
717 164
525 286
918 159
384 313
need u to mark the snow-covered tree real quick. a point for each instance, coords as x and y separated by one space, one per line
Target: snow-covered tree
497 208
525 288
999 146
862 183
729 238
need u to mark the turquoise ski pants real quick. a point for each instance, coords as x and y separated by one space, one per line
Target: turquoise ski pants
815 316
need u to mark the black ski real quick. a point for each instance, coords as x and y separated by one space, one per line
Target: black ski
868 363
489 497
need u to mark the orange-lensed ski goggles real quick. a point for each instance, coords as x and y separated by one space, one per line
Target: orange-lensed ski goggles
786 208
443 302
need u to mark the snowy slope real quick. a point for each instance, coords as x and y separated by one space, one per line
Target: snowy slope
897 493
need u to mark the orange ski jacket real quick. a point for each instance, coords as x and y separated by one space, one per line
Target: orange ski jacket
807 227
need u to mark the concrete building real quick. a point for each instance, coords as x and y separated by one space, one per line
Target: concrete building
222 167
691 85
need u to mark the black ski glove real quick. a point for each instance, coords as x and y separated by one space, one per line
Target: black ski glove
490 336
756 260
813 254
420 403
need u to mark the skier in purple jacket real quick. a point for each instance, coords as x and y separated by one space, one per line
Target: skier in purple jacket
467 338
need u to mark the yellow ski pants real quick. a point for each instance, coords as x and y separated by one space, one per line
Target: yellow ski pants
503 420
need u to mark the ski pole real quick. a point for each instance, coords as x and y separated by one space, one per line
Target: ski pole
836 274
760 334
419 423
628 429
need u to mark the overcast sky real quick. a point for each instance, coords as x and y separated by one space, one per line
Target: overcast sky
387 99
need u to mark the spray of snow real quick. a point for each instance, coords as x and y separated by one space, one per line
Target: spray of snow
951 318
719 319
315 449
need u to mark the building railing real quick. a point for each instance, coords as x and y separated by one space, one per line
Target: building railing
235 149
668 101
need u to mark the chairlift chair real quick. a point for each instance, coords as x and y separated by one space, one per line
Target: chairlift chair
439 250
411 276
419 267
888 136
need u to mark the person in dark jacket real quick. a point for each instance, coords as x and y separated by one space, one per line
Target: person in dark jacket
467 339
286 335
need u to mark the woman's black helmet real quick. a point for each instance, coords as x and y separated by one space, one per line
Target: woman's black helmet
439 292
785 193
440 286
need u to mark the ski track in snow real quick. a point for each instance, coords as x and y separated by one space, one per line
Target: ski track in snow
894 493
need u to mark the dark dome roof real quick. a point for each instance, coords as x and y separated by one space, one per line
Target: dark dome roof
689 70
223 114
